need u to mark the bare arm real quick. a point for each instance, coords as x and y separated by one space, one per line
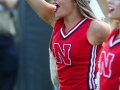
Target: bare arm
98 32
103 31
104 7
43 9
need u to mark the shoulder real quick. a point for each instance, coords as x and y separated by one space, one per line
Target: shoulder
97 25
98 31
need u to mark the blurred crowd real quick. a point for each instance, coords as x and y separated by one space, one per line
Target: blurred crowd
8 50
11 70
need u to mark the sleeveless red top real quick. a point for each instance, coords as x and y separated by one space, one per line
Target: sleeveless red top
75 56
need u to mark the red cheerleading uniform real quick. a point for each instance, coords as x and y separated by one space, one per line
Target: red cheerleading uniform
110 63
75 56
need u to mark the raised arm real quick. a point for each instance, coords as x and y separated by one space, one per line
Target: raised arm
43 9
98 32
104 7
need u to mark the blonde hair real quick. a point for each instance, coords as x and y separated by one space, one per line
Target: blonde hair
85 9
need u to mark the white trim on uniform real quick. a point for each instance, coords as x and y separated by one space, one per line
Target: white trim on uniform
79 24
92 67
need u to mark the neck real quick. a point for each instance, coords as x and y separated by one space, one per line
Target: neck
71 21
115 24
118 27
118 36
